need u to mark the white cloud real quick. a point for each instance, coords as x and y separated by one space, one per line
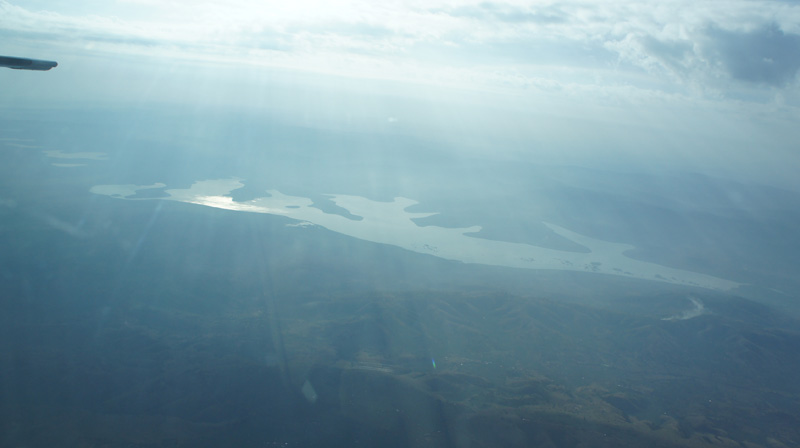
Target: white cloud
680 44
708 69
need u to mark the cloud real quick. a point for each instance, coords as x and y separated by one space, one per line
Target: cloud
56 28
717 58
766 55
676 47
58 154
687 80
508 13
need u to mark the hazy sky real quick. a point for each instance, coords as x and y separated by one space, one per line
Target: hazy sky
709 86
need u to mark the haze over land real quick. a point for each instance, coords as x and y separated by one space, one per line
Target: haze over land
621 85
400 224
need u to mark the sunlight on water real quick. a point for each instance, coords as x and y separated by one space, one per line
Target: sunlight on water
390 223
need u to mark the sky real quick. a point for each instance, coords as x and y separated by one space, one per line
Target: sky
700 86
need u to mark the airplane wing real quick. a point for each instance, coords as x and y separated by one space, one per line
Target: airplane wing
26 64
